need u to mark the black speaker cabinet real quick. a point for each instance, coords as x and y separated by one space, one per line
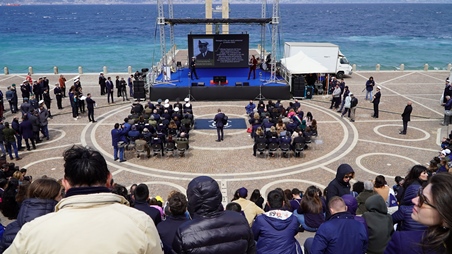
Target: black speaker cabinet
194 84
238 83
246 83
138 89
218 79
201 83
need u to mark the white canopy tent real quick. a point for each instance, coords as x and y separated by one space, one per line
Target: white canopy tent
300 64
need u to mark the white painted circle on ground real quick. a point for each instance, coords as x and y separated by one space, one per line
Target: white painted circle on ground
376 130
360 165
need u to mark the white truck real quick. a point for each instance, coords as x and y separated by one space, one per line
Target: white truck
327 54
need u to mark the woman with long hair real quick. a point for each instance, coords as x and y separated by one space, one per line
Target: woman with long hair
311 213
414 181
42 196
432 208
257 198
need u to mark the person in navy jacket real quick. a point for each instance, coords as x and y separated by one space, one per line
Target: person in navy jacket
118 134
276 229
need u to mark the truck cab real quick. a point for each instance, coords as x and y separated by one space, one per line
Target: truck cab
343 66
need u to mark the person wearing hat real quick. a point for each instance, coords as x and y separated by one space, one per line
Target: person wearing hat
347 103
204 50
15 98
177 104
376 102
447 91
249 208
193 68
25 89
58 95
406 117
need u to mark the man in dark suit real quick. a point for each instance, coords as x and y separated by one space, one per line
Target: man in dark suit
219 122
205 53
193 68
406 117
376 102
90 105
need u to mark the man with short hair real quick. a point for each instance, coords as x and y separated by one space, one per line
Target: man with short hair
219 120
102 83
275 230
141 196
90 105
353 106
176 216
88 215
109 88
406 117
249 208
340 234
376 102
211 229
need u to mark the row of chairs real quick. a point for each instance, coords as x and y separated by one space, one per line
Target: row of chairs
177 148
282 149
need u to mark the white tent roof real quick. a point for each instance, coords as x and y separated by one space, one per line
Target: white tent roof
302 64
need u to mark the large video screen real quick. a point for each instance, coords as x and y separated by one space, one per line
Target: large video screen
219 50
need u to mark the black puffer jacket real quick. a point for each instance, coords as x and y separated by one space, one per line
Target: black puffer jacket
30 209
210 230
337 186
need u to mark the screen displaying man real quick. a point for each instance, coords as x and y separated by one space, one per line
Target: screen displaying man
203 48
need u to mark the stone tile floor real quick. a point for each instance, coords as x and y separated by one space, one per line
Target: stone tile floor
371 146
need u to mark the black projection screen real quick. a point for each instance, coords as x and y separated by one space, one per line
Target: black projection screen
219 50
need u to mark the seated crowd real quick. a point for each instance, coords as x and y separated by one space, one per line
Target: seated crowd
156 127
345 219
275 127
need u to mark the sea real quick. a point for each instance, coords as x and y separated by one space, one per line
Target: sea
118 36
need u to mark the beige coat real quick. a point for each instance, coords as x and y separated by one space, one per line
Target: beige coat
94 223
250 209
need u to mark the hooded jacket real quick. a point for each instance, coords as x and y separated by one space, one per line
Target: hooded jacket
337 187
211 230
379 224
275 232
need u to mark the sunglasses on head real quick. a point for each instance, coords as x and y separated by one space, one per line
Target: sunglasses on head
423 199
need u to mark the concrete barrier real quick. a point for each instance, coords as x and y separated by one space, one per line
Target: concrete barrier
5 70
402 67
80 70
425 67
377 67
30 70
55 70
354 67
105 70
129 69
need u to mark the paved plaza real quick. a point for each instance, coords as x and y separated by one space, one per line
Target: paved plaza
371 146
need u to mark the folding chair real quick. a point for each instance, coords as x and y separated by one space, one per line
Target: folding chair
273 148
285 148
261 148
299 148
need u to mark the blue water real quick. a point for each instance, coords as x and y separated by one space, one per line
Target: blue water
117 36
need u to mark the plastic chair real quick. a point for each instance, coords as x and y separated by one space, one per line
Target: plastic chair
170 148
157 148
182 147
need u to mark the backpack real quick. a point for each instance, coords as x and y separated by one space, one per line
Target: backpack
354 102
225 119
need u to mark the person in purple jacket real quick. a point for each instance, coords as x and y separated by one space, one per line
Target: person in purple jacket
432 208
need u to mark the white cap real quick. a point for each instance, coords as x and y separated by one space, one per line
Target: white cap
445 152
186 99
378 87
41 102
176 109
350 94
75 80
187 105
166 105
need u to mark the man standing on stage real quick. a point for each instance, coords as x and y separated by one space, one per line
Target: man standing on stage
193 68
252 64
220 120
406 117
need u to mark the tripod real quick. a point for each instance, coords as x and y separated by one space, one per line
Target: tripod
260 96
189 96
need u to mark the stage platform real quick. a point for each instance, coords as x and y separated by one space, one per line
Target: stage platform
203 89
